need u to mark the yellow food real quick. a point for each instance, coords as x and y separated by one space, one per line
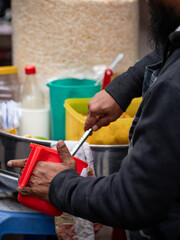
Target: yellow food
83 115
125 115
9 130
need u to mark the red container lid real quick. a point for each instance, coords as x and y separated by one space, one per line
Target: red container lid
30 69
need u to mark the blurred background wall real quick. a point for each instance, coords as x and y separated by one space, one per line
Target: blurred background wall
6 31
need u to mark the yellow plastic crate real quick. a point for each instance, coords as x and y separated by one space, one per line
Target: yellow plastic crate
114 134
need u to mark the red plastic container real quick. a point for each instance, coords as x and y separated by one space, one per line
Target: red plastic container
42 153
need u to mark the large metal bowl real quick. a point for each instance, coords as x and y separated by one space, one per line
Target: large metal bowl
107 158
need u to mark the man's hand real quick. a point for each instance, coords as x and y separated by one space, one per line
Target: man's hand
102 109
43 173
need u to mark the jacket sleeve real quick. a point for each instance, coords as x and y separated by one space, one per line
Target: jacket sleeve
128 85
148 182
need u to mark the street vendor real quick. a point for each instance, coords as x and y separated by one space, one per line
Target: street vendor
144 196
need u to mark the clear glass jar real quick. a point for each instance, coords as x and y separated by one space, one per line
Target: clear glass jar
9 96
9 86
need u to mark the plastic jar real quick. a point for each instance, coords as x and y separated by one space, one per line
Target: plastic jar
9 87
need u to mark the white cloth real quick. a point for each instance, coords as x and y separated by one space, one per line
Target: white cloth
84 153
9 114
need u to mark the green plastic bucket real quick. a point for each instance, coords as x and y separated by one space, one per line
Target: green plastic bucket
62 89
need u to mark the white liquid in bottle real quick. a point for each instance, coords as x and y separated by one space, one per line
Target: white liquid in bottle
34 115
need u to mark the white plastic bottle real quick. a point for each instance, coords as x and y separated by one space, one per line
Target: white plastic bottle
34 115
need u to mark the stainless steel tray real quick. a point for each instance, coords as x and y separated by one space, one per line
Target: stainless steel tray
9 179
14 147
107 158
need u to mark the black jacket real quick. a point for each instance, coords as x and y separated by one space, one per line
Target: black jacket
145 193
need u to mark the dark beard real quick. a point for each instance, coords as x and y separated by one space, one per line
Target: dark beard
163 21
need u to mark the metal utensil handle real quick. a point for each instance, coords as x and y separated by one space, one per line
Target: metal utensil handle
81 141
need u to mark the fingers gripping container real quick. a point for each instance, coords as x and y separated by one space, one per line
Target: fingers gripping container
42 153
